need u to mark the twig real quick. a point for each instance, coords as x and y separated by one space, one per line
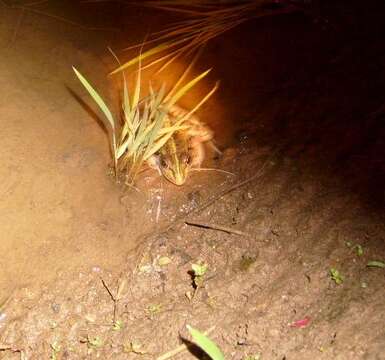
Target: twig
108 289
113 298
180 348
7 347
218 227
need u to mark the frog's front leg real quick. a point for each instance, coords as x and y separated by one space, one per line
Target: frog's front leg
197 154
153 163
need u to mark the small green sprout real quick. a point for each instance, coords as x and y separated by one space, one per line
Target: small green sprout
164 260
118 325
246 262
55 350
94 342
336 276
359 250
154 309
378 264
199 271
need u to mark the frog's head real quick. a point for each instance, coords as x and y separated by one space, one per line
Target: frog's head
176 168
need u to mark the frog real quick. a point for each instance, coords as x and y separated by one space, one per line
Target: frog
185 150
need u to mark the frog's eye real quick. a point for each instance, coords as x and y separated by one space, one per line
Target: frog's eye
164 164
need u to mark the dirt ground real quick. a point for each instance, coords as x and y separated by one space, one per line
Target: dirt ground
91 269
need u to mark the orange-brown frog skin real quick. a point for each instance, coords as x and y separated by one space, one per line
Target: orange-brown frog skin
185 149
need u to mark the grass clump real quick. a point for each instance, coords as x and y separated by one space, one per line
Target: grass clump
144 127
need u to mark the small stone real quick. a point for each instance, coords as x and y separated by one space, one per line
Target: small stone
55 308
3 316
96 269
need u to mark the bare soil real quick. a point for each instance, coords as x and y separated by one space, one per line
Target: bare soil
91 269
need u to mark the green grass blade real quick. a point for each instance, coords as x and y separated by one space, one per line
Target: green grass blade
154 136
143 123
124 132
158 60
158 125
183 76
204 99
102 105
157 100
141 139
97 98
174 128
135 98
186 88
122 149
207 345
126 103
136 120
153 148
143 56
160 136
175 55
126 98
128 127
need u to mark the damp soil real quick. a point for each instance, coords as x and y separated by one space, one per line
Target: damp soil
92 269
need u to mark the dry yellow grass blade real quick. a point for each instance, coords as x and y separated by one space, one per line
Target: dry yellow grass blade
154 62
207 19
143 56
158 49
173 9
196 107
176 54
181 79
179 93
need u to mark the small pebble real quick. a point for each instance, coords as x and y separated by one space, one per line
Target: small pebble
96 269
55 308
3 316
